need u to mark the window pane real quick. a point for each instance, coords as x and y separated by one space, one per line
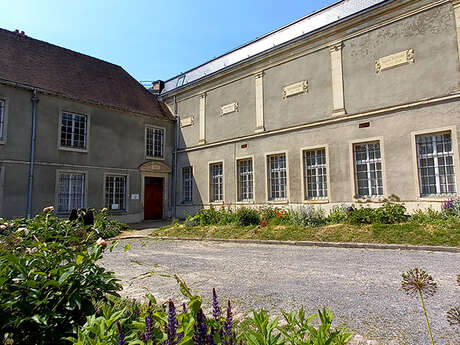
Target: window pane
187 183
277 177
154 142
436 164
115 192
315 174
245 180
368 170
71 192
73 130
216 183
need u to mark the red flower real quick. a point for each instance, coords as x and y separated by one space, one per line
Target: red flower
263 223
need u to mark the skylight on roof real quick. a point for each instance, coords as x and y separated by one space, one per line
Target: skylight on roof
180 81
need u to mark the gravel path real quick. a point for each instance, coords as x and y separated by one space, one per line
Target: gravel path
362 286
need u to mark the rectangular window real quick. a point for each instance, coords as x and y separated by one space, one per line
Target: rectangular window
154 142
277 180
216 182
74 130
115 193
368 170
71 194
436 164
187 183
245 180
2 118
315 174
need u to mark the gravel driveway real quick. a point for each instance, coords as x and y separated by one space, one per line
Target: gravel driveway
362 286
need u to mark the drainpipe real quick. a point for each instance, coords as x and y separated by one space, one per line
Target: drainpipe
176 143
34 101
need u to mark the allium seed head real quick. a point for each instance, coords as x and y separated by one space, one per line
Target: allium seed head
453 316
417 281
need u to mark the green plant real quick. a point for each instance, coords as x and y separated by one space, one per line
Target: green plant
247 216
261 330
390 213
299 331
307 216
338 214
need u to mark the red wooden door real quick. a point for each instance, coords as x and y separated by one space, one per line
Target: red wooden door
153 198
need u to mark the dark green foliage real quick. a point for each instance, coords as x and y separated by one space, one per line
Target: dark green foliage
390 213
49 278
247 216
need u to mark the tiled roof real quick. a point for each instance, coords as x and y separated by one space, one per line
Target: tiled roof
61 71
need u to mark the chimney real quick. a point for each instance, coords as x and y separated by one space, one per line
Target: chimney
157 87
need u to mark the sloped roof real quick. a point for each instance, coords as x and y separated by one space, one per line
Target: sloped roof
61 71
302 27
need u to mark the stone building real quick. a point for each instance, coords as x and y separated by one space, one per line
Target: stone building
355 103
100 139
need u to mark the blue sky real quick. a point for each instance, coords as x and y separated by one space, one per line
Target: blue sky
152 39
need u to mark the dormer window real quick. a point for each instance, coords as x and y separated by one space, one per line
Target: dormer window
180 81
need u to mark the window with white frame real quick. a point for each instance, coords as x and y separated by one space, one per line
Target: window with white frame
368 170
187 184
74 130
2 118
115 192
154 142
71 193
216 173
436 164
277 180
315 174
245 180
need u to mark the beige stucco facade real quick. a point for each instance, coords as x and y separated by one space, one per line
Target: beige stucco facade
386 76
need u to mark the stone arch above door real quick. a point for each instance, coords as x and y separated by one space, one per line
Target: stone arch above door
154 167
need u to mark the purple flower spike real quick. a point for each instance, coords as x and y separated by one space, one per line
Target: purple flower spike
215 305
121 335
184 307
211 337
201 331
172 324
148 329
229 320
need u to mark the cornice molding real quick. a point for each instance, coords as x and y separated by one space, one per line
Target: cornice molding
337 119
265 61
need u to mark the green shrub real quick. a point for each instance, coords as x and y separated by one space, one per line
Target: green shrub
247 216
364 215
338 214
390 213
49 277
307 216
267 213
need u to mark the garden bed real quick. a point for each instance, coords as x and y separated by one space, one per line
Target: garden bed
405 233
388 224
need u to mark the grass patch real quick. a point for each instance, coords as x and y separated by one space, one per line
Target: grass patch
403 233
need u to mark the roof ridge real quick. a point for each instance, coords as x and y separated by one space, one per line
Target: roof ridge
56 46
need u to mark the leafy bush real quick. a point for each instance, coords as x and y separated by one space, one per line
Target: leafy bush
104 227
307 216
49 278
338 214
247 216
390 213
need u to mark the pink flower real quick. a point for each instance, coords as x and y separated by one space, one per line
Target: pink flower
2 227
48 209
101 242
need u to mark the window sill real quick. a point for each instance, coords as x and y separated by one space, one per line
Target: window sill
251 202
3 142
216 203
155 158
376 200
316 201
72 149
278 202
117 212
434 198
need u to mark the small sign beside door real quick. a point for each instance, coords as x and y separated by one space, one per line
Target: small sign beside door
134 196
